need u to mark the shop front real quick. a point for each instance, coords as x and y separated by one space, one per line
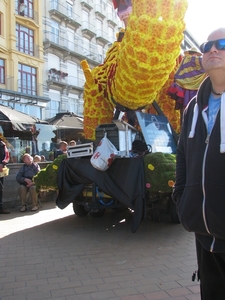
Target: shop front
26 134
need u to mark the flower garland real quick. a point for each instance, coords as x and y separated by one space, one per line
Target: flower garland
97 109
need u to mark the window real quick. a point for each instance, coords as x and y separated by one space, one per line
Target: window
110 9
86 47
54 4
111 34
100 53
69 10
73 103
30 8
99 26
25 8
2 71
70 39
81 78
85 19
27 80
53 107
73 75
53 61
24 39
55 32
29 109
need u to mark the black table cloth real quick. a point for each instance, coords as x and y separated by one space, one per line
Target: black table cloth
123 181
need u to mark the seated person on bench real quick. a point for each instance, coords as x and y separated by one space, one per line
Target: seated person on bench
24 178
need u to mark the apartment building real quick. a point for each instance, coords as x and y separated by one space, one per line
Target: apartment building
74 31
21 57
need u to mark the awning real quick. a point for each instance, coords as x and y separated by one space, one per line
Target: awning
67 120
20 121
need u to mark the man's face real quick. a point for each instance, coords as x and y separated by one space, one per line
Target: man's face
214 59
63 147
28 160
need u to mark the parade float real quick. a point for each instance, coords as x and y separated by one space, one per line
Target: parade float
136 73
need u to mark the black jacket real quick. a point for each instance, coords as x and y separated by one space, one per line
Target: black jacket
200 175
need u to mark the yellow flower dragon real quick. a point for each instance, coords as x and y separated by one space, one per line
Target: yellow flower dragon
136 69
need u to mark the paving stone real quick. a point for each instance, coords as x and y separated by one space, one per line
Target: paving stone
56 255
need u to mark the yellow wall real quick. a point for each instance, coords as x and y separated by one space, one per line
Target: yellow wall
8 42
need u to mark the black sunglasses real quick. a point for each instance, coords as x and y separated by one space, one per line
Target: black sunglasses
219 44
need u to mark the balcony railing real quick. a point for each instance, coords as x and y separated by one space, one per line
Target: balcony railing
57 75
112 18
102 36
64 13
71 47
75 81
63 79
99 10
87 3
88 29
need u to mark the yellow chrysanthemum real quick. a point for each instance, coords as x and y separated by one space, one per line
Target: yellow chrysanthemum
151 167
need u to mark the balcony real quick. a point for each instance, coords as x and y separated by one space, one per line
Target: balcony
64 14
53 40
75 84
63 81
87 4
99 11
88 29
112 18
57 77
102 36
69 48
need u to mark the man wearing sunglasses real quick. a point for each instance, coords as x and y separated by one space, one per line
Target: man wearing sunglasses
199 191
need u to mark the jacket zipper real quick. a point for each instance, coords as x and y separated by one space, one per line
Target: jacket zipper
205 117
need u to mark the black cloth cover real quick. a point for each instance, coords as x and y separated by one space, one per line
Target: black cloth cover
123 181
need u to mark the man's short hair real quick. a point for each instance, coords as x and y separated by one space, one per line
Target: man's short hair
25 155
63 143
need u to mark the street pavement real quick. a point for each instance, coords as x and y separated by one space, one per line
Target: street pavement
53 254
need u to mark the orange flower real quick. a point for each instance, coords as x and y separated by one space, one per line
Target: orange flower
171 183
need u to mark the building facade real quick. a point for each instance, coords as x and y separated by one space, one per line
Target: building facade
74 31
21 57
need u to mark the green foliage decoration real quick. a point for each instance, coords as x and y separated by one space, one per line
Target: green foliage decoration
46 179
159 171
